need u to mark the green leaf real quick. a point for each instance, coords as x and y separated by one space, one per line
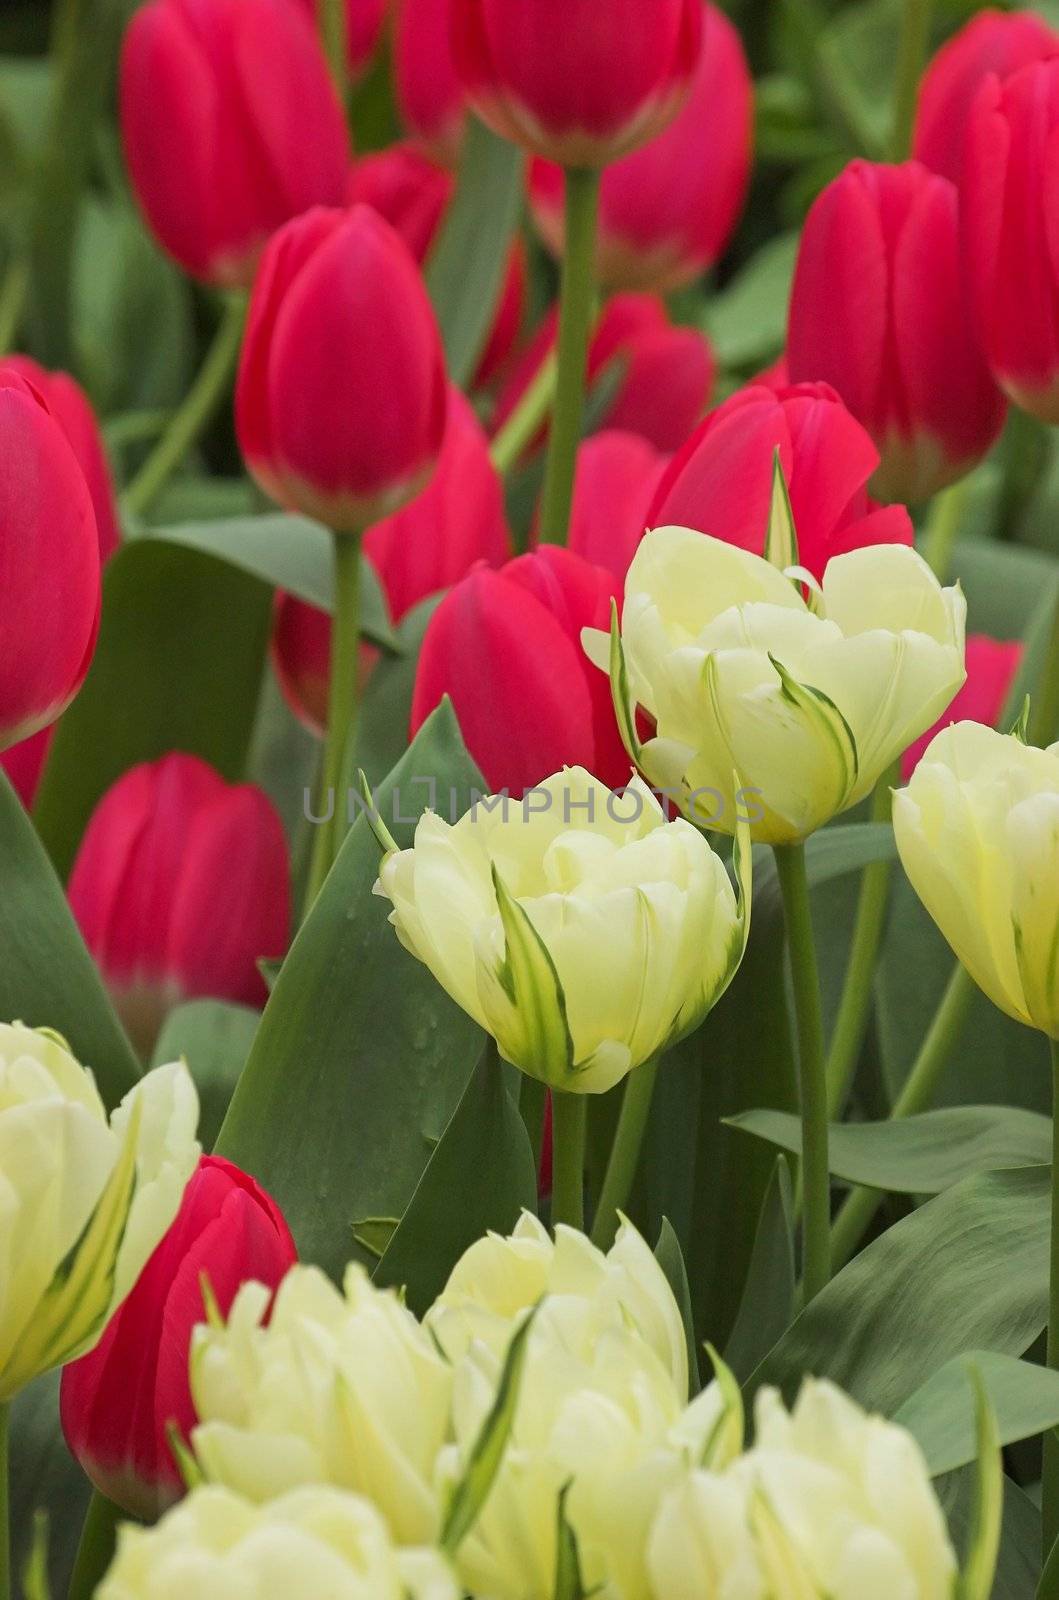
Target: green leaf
44 1476
47 977
155 684
1019 1565
360 1058
976 1578
968 1270
670 1258
942 1412
918 1155
385 714
466 270
1048 1588
767 1306
215 1039
747 321
480 1178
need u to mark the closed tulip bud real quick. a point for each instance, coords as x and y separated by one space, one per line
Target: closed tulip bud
1010 235
665 212
617 477
991 668
86 1199
145 890
721 481
587 92
49 566
878 310
997 42
118 1402
978 834
210 96
314 1542
364 24
808 702
506 648
333 1387
430 95
579 928
342 395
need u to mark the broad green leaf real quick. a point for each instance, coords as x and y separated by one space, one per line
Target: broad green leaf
670 1258
44 1477
1019 1565
767 1306
360 1058
747 321
215 1038
1048 1588
918 1155
47 977
177 667
941 1413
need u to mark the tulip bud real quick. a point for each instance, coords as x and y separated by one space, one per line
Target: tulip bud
430 95
210 98
991 668
118 1403
579 928
721 481
978 834
144 890
49 566
1010 237
617 477
997 42
586 92
86 1200
506 648
364 24
878 311
666 212
342 396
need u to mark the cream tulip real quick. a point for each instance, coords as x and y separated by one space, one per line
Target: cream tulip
84 1199
807 700
577 926
977 829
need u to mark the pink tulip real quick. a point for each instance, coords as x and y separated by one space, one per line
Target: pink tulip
364 23
429 92
617 478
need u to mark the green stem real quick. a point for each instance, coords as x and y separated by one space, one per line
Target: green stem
568 1159
193 415
341 713
96 1549
13 292
1050 1476
334 37
1044 712
5 1503
943 527
790 863
575 326
911 59
625 1152
823 66
943 1035
532 1096
527 419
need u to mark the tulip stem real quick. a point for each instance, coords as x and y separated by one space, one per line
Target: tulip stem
5 1504
568 1159
943 528
96 1548
194 414
13 291
575 327
532 1102
911 59
527 419
625 1152
1050 1475
943 1035
1044 711
341 713
816 1185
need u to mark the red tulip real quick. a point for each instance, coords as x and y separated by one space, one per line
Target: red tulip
24 764
364 20
49 565
878 310
458 520
117 1402
721 482
231 126
180 887
1010 211
992 42
617 477
506 648
668 210
341 398
429 92
991 668
583 86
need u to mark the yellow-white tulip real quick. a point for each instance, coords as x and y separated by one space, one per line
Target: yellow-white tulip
311 1543
83 1200
978 833
345 1389
807 702
580 928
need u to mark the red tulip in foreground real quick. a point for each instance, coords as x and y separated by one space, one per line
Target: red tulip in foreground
991 668
342 396
49 565
878 310
667 210
1011 232
992 42
506 647
117 1402
364 23
582 87
721 482
617 477
144 890
430 95
231 127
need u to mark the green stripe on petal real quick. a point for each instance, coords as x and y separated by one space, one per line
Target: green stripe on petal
624 705
820 709
538 1038
781 536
